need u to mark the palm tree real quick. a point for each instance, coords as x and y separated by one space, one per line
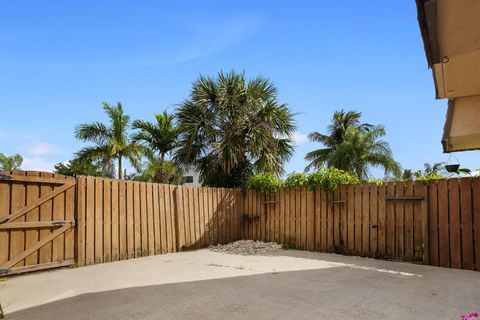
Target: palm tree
363 149
337 130
435 168
158 137
10 163
231 127
111 141
162 171
406 175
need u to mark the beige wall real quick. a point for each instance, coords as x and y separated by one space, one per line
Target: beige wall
464 131
458 34
451 31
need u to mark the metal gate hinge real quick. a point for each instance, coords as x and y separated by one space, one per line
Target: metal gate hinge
4 272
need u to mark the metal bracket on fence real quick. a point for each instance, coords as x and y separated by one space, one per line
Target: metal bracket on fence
249 217
273 201
4 272
338 201
63 222
406 198
5 177
373 225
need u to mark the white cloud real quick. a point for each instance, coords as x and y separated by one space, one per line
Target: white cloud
37 164
37 154
42 149
300 138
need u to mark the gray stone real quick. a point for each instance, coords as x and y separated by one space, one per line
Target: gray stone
246 247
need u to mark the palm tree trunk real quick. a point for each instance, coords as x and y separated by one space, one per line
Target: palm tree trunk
120 167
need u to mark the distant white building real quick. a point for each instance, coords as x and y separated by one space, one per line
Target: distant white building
191 178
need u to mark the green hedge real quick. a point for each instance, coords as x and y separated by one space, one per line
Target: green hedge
326 178
264 182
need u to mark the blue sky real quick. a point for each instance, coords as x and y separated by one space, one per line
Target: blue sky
60 60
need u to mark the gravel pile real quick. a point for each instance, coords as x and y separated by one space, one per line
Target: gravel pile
246 247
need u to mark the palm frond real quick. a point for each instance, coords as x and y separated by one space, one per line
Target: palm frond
95 132
235 122
101 152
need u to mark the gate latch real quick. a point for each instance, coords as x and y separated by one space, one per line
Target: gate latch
58 223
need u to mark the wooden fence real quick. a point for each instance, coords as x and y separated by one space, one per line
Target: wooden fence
48 220
126 219
454 223
208 216
436 223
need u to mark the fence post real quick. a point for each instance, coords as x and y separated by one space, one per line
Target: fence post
79 215
425 227
177 216
241 195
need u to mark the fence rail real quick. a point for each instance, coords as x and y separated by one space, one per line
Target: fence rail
48 220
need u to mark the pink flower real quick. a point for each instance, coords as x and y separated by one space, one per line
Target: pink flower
473 315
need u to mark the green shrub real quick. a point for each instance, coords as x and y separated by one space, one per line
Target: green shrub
421 176
330 178
326 178
296 180
264 182
375 180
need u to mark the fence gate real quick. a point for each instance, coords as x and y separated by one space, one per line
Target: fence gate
36 221
404 222
380 221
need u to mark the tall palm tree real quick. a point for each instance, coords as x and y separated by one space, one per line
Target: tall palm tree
363 149
336 131
230 127
158 137
111 141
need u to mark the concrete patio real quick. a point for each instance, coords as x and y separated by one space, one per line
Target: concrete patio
208 285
